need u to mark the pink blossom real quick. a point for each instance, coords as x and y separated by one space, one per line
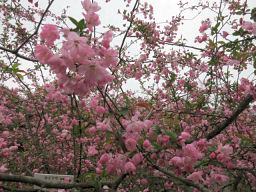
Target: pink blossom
64 133
130 144
92 19
3 168
49 33
224 34
184 136
110 168
104 159
247 26
90 7
137 158
220 157
43 54
3 144
203 27
77 49
230 165
95 74
57 64
144 182
165 139
13 148
129 167
110 57
67 180
107 39
100 110
146 144
5 134
92 151
225 150
196 176
212 155
220 179
190 151
176 161
98 171
153 156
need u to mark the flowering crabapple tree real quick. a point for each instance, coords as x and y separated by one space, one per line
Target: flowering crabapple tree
191 127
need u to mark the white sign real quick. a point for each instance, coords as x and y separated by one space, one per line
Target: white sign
52 178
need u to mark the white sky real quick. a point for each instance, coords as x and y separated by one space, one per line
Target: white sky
163 11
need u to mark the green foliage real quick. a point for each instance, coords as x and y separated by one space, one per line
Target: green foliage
80 25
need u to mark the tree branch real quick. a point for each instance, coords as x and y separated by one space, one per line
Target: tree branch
17 54
240 108
183 45
37 28
33 181
17 190
176 177
250 170
181 179
128 29
45 184
16 51
115 183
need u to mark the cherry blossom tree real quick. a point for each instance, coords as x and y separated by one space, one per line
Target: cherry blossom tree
191 127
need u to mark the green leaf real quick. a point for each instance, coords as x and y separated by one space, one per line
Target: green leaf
97 186
158 129
19 75
81 25
124 111
15 65
173 136
128 102
239 12
73 21
221 42
253 14
215 28
211 44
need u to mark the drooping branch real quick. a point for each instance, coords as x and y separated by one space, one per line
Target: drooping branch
176 177
223 125
5 188
34 181
179 178
45 184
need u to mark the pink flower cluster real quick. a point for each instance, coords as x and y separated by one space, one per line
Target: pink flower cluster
117 164
249 26
248 87
80 66
187 158
134 129
91 18
204 25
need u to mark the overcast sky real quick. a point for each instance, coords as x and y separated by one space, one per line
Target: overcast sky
163 11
